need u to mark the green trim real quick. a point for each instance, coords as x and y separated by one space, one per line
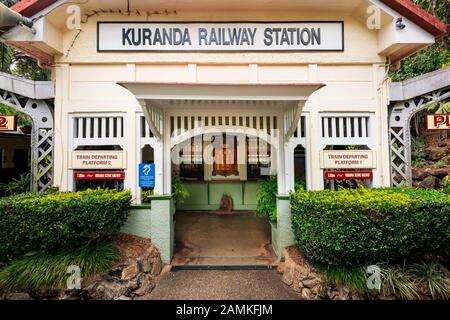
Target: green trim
283 197
140 206
161 196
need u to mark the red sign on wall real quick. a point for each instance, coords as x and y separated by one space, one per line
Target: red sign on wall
347 175
8 122
437 121
99 175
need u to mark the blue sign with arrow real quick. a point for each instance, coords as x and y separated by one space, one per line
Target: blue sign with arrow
146 175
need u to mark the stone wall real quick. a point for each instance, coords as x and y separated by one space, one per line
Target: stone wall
301 276
437 156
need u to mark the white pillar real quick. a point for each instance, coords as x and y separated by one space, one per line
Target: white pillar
167 160
280 156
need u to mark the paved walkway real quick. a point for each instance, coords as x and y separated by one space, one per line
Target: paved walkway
209 238
222 285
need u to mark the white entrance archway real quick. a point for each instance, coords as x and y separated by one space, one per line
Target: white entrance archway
160 101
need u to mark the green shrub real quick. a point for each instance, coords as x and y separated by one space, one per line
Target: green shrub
179 190
357 226
15 186
266 203
52 221
39 270
266 197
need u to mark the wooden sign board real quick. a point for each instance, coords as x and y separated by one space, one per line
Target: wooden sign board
8 122
98 160
348 159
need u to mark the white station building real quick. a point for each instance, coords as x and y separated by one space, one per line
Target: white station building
221 94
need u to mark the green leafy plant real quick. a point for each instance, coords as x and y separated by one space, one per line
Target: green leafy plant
179 190
446 185
266 199
433 279
399 282
358 226
418 151
22 118
53 221
145 194
16 186
40 270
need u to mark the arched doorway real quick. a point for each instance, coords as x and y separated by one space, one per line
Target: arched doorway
216 224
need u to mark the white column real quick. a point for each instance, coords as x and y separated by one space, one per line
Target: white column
289 167
280 158
158 154
167 160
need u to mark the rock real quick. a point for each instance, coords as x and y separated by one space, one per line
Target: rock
446 159
311 283
297 285
436 154
226 203
108 291
343 293
419 173
157 266
146 285
439 172
147 262
416 184
331 293
281 267
307 294
430 182
130 272
166 269
18 296
144 297
442 143
320 291
288 277
132 284
122 297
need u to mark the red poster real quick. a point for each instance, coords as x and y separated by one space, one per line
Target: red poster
347 175
99 175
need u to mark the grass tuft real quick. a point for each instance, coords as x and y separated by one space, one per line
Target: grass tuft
433 278
38 270
399 282
352 277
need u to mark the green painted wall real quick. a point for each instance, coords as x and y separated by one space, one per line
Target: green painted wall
138 222
156 223
207 195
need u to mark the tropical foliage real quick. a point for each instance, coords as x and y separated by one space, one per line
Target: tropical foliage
432 58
